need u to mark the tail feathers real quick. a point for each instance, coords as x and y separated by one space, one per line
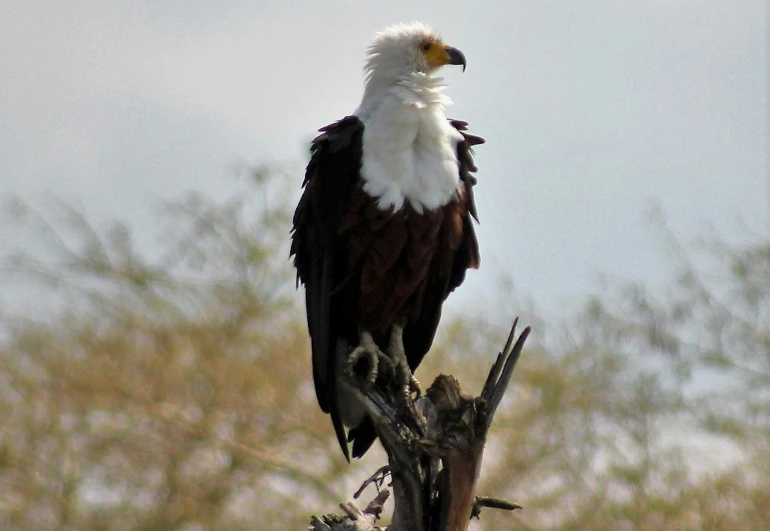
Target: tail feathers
362 437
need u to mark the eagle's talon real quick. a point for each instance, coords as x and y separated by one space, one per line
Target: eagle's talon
415 389
371 368
408 386
376 361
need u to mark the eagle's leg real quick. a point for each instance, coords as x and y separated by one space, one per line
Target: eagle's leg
404 376
369 351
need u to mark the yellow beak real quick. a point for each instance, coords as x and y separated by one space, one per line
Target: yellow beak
439 56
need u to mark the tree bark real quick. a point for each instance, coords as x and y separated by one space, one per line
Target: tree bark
435 448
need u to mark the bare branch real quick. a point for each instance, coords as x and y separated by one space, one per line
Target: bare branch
498 379
355 519
378 478
492 503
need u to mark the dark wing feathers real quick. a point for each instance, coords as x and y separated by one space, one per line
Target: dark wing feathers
465 157
318 250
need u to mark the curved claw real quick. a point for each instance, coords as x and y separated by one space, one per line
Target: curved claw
414 387
371 357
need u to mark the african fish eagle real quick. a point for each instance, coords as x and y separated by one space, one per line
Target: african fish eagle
383 231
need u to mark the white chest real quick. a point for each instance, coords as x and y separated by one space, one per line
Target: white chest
409 152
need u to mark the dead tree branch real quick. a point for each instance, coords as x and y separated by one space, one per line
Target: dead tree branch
435 448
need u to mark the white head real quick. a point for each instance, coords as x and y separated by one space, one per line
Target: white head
405 49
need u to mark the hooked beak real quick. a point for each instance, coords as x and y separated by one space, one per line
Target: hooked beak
456 57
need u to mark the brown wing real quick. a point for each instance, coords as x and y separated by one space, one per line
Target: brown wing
319 254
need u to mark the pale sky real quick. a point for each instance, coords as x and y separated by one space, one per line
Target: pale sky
593 112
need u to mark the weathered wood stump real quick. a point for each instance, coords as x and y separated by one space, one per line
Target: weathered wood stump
435 447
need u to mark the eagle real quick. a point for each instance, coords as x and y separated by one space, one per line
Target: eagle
383 232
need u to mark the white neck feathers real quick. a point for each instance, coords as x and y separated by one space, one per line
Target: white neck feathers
409 146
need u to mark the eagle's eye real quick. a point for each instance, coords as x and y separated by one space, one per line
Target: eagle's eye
427 46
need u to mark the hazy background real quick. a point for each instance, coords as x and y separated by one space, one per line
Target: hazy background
170 387
594 112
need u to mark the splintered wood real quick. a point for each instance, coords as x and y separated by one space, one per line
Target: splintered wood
435 448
